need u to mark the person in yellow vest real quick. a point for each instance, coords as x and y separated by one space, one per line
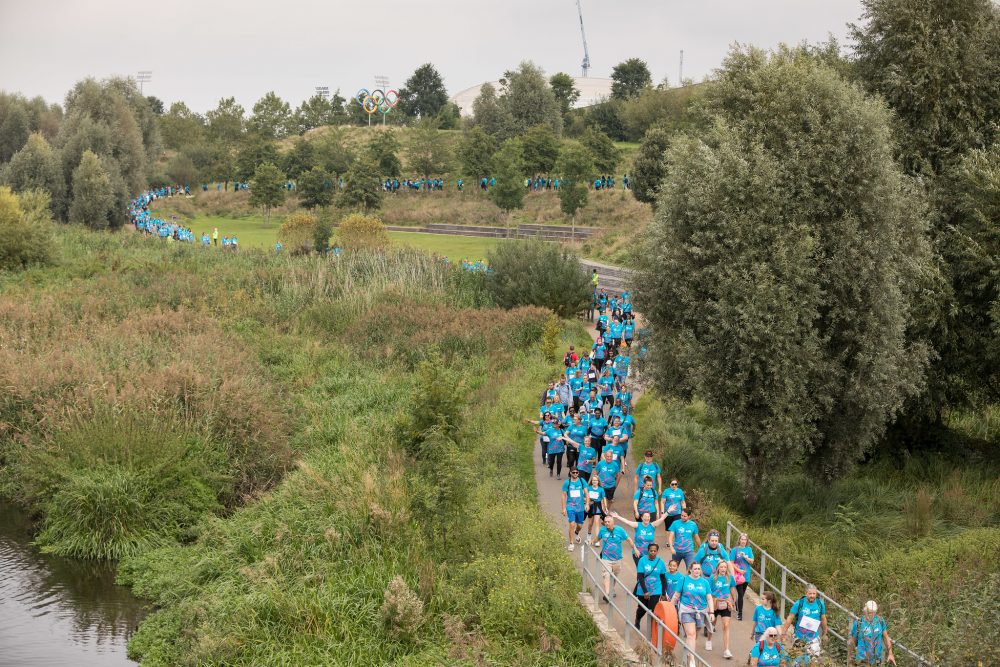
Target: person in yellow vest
594 279
215 236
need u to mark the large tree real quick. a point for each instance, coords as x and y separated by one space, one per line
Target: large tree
363 186
267 189
540 150
180 127
14 132
36 167
508 193
428 153
315 188
424 93
565 90
93 199
476 151
529 100
783 268
272 117
490 115
383 149
648 167
606 154
576 168
630 78
937 64
226 122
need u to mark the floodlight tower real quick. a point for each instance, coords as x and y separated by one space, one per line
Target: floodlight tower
586 53
144 76
323 91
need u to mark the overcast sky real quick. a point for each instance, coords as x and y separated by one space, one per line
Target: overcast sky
201 50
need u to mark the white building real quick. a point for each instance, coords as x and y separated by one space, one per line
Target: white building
592 90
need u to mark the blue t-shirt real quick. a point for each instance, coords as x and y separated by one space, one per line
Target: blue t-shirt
868 638
607 384
808 614
644 536
595 495
739 556
607 473
574 491
587 454
710 558
611 542
617 452
769 656
764 618
695 592
598 426
577 432
674 582
646 500
673 498
648 572
555 444
644 469
600 352
721 586
684 532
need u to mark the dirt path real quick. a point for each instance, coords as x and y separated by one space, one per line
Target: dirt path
550 500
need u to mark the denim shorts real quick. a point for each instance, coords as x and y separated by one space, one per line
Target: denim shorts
691 617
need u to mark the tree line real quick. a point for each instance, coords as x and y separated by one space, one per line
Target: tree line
822 268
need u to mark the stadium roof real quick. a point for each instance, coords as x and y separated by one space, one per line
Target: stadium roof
592 90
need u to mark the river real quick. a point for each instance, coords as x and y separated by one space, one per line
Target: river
59 611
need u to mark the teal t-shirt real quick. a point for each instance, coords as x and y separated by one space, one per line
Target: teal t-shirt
807 618
648 572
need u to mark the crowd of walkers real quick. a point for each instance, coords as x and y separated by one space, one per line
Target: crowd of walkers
586 420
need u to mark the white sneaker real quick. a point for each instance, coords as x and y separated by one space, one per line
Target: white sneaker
708 645
727 655
578 538
569 547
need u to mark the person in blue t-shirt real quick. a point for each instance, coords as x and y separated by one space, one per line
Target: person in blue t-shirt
600 352
768 652
649 469
574 492
598 425
597 507
694 601
650 579
588 457
683 538
711 553
672 500
724 593
645 531
742 557
644 499
765 616
576 433
869 639
608 471
611 538
674 579
806 623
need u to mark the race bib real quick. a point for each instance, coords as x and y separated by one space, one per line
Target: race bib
809 624
574 493
594 495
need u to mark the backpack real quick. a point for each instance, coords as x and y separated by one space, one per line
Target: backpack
801 603
568 359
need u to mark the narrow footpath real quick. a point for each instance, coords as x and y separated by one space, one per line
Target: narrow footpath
550 500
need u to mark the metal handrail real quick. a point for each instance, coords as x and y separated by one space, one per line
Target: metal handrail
782 591
630 597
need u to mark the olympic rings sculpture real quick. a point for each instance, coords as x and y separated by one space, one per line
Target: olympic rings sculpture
377 100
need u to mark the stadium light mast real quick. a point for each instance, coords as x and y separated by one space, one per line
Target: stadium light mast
144 76
586 53
382 81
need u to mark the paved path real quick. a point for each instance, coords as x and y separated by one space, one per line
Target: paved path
550 500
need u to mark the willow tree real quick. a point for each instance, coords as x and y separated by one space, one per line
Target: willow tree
783 266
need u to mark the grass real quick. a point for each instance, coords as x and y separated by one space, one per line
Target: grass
269 503
908 534
618 216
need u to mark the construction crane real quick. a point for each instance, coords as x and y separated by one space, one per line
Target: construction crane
586 54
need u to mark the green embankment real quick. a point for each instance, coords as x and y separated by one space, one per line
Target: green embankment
294 443
920 536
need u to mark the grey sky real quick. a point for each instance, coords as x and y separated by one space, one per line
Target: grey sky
201 50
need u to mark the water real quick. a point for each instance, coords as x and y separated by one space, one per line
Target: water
57 611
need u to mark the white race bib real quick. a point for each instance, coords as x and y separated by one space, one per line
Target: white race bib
809 624
594 495
574 493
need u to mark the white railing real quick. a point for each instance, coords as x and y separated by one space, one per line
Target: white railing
622 604
768 563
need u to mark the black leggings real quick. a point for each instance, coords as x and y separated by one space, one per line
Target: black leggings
650 601
572 456
740 590
556 460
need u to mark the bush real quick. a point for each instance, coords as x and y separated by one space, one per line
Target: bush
402 611
25 229
529 273
297 233
358 231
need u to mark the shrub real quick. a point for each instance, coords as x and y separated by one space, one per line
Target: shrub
402 611
321 234
530 273
358 231
25 229
550 338
297 232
